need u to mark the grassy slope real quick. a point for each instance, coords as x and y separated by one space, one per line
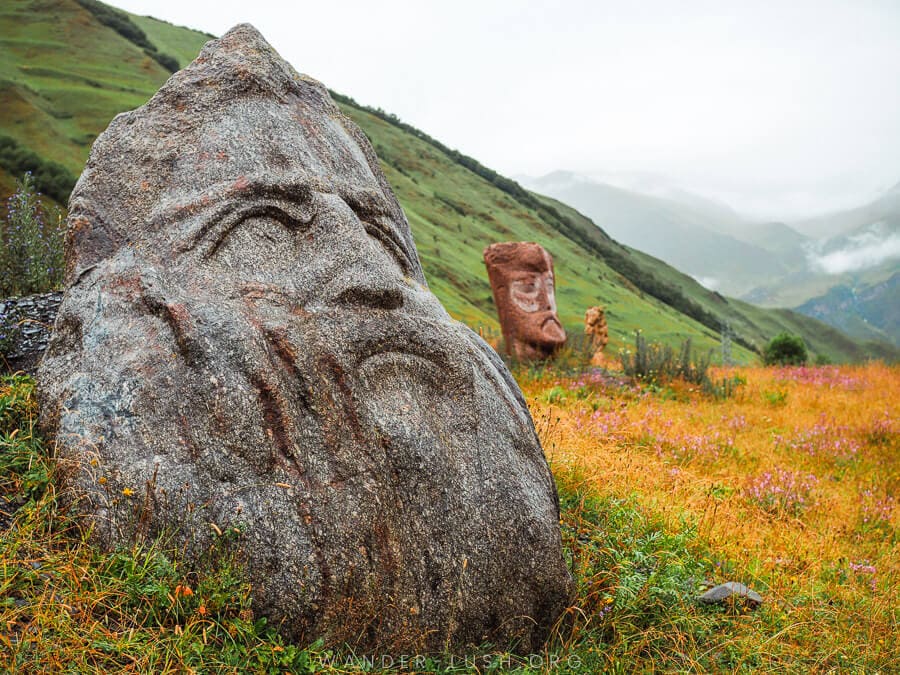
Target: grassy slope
450 240
66 76
182 43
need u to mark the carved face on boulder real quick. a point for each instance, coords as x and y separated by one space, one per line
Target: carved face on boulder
247 338
521 276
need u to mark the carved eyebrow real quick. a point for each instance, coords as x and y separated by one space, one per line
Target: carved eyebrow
371 210
291 214
289 205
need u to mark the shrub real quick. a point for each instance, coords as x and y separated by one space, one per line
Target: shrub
167 61
785 350
31 256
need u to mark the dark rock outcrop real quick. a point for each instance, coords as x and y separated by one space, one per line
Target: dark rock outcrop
247 341
521 276
25 325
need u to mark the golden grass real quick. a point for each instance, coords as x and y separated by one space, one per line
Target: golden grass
829 566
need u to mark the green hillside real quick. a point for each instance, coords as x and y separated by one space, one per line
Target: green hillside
65 75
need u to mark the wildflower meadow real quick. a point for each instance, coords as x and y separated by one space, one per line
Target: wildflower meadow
788 485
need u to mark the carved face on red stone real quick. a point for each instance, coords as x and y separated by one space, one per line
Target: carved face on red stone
521 276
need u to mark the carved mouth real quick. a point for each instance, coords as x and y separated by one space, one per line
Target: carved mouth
552 330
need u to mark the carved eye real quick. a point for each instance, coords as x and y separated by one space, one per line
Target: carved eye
292 215
526 295
384 235
551 297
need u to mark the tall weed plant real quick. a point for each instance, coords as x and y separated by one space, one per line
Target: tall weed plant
31 255
655 363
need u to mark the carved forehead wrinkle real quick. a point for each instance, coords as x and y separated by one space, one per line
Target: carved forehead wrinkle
532 264
283 139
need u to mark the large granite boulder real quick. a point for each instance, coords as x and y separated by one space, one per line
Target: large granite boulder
521 276
247 340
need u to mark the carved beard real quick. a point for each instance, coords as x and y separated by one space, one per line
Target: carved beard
318 411
310 417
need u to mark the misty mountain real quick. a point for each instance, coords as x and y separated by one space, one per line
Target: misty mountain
690 232
862 251
885 208
717 214
778 238
868 312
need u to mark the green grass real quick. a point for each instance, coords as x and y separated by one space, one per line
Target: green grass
182 43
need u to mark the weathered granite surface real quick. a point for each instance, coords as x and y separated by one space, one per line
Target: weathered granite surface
521 276
247 340
25 325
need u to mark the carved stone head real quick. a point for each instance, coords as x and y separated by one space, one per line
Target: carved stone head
521 276
247 340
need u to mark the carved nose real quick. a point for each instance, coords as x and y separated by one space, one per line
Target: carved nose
376 297
544 301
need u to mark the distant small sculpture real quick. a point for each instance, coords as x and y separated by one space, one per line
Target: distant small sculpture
521 276
595 328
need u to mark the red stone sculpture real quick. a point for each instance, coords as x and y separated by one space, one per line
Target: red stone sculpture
521 276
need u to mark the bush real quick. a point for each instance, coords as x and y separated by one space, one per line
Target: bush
31 255
785 350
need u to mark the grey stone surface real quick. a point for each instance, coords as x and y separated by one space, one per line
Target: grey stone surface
247 340
728 590
25 324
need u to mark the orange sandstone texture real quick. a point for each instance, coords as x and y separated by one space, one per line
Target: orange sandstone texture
521 276
595 328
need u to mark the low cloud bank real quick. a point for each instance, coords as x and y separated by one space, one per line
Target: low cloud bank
861 251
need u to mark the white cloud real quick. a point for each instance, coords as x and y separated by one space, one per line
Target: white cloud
862 251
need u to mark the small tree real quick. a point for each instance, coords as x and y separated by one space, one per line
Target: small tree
785 350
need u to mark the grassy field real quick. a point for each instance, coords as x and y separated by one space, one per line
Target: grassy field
787 485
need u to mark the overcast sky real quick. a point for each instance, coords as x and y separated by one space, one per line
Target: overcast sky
782 109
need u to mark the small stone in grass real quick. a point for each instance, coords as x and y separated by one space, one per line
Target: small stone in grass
731 589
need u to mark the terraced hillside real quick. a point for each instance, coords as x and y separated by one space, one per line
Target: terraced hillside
65 75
